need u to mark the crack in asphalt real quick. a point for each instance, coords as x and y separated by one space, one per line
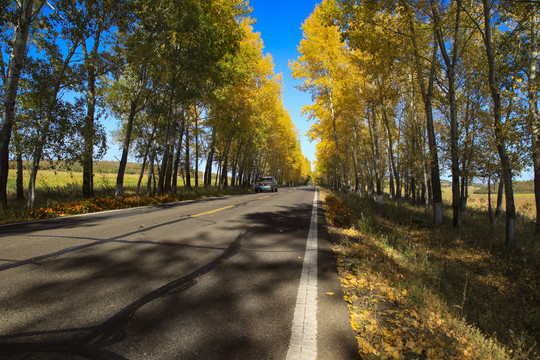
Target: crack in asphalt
92 345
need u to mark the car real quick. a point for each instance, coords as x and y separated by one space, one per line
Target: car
266 183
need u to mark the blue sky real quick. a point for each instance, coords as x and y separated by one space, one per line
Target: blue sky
279 23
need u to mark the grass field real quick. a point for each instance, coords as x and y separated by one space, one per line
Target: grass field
56 187
50 179
524 202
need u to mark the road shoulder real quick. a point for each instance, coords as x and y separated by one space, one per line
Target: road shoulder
335 334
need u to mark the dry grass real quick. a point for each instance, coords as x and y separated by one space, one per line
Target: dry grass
419 291
59 193
524 202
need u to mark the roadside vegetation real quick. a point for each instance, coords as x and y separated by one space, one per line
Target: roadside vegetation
417 290
60 193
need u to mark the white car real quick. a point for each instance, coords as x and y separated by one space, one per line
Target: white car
266 183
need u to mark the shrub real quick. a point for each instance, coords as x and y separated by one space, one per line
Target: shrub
337 212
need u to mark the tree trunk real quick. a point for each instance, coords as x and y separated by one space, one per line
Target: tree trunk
188 161
127 139
498 209
427 96
427 186
223 181
376 158
31 201
391 186
210 160
174 187
336 141
20 176
413 190
464 192
392 158
151 171
218 175
197 151
169 170
490 210
143 167
166 152
146 153
499 134
451 77
534 112
88 126
11 86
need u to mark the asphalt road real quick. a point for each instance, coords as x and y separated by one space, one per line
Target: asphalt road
206 279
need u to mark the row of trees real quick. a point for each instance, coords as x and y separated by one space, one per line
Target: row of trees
406 88
187 80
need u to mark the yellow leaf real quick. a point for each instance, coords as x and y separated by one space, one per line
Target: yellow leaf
395 355
354 324
404 292
329 293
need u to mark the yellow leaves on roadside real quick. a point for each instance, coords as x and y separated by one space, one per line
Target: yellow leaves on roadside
393 352
365 347
388 324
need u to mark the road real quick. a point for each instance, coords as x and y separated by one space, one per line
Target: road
207 279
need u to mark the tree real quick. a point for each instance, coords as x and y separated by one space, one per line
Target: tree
24 14
494 87
451 62
534 112
321 64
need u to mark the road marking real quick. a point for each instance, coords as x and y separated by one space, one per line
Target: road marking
264 197
213 211
303 343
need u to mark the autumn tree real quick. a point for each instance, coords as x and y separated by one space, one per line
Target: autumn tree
321 65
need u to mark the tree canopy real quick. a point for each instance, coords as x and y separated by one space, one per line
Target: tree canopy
188 82
406 91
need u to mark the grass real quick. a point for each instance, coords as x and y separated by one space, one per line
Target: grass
420 291
524 202
59 193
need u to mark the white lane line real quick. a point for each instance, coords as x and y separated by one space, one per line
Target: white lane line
303 343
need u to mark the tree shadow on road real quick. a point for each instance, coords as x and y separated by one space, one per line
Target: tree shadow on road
209 295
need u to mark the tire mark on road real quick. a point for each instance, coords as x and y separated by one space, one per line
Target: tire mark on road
35 259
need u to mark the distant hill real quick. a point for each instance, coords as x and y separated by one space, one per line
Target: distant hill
520 187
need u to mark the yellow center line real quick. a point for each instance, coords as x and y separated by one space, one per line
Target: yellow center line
223 208
213 211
